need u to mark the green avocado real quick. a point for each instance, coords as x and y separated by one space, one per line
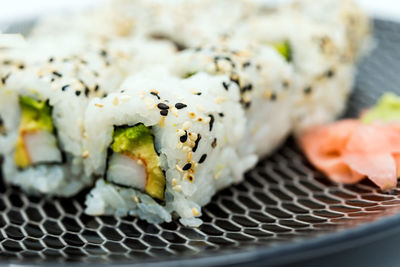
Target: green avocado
138 142
35 116
386 110
284 49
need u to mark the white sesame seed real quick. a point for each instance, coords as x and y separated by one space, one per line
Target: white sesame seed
125 98
177 188
85 154
116 101
186 125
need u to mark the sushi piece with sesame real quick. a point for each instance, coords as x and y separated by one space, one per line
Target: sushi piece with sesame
42 107
264 79
324 68
164 146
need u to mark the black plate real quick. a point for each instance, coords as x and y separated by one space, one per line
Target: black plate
284 212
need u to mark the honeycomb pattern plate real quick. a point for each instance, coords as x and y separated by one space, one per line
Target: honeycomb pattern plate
283 206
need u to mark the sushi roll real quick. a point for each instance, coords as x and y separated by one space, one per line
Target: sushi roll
42 106
264 79
164 146
323 72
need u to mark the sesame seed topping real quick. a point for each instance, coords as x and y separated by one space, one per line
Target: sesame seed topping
65 87
202 158
186 125
163 106
214 143
221 114
187 166
211 121
192 136
246 64
96 88
180 105
85 154
115 101
177 188
330 73
77 93
308 90
178 168
55 73
190 178
21 67
87 91
125 98
225 85
164 112
196 143
183 138
4 79
155 94
99 105
220 100
192 114
51 59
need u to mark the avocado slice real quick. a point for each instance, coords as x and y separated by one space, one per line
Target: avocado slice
35 116
284 48
138 142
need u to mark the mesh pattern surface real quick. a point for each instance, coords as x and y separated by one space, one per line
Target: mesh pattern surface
282 200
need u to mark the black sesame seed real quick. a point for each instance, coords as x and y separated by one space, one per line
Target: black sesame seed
199 93
214 143
78 93
87 91
55 73
105 95
51 59
211 121
246 64
65 87
196 143
122 91
187 166
330 73
52 80
285 84
183 138
221 114
225 85
21 67
103 53
6 62
163 106
180 105
308 90
273 97
96 88
4 79
248 87
155 94
203 158
164 112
